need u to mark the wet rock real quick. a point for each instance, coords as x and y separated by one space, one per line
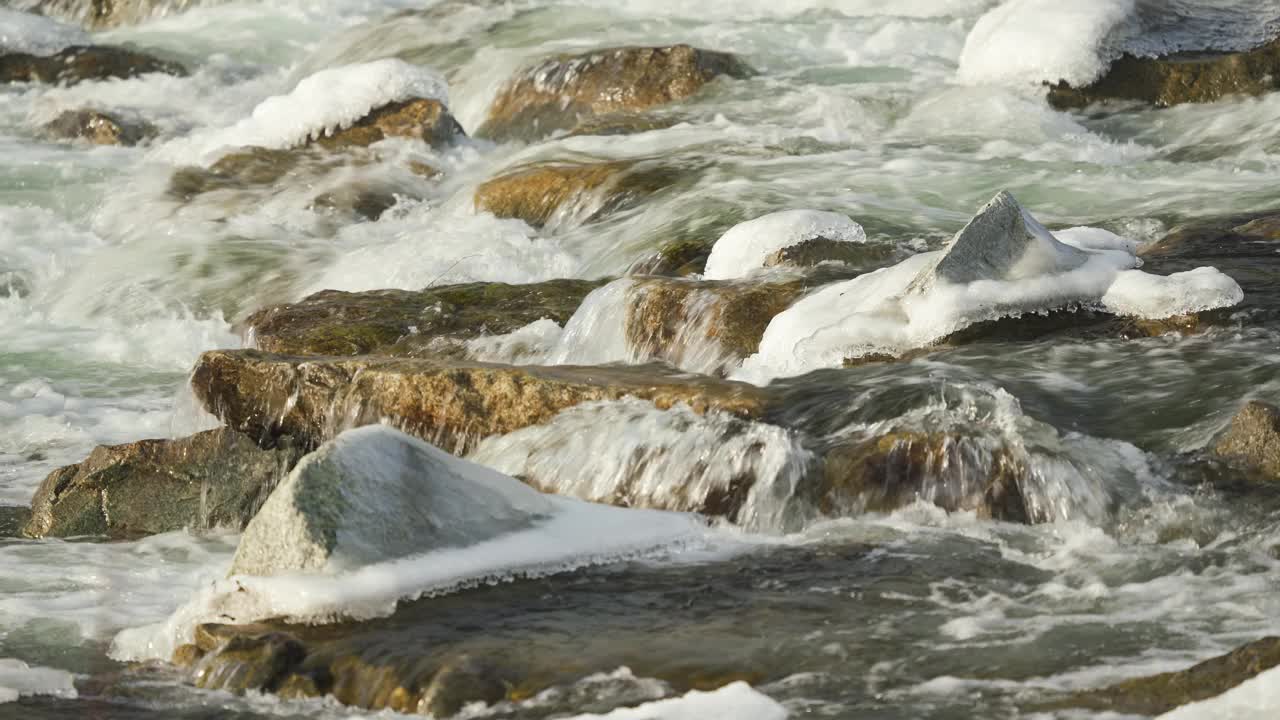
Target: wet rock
450 404
249 662
622 124
13 518
79 63
186 656
677 258
463 680
809 253
374 494
953 472
1178 78
97 14
1159 694
236 170
674 320
1253 439
358 199
1001 242
212 479
408 323
552 194
561 92
98 128
422 119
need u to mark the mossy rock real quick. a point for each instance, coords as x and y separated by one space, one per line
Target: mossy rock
411 323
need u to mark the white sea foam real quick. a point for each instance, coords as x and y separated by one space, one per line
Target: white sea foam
1026 42
569 535
745 246
35 34
324 102
737 700
18 679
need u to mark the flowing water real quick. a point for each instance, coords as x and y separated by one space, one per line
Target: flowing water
905 116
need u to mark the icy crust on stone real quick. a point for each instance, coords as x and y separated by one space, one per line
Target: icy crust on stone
329 100
18 679
744 247
1002 264
497 528
736 700
23 32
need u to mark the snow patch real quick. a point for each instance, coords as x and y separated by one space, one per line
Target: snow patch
744 248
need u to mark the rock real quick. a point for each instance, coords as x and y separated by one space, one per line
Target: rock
461 681
408 323
79 63
1001 242
249 662
98 128
621 123
451 404
1158 694
953 472
553 194
215 478
186 656
236 170
97 14
749 246
815 251
425 119
671 320
1178 78
1254 439
359 199
13 518
677 258
563 91
373 494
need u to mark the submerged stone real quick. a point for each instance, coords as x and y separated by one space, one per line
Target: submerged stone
1253 439
563 91
1178 78
98 14
1157 694
551 193
408 323
374 494
359 199
451 404
98 128
79 63
216 478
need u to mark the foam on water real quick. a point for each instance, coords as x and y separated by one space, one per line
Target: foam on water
528 344
37 35
18 679
746 246
326 101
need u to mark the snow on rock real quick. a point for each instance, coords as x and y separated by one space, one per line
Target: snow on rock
471 525
321 103
18 679
736 700
1002 264
745 246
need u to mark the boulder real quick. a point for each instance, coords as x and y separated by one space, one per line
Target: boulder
1178 78
216 478
408 323
361 200
1158 694
374 494
1253 439
238 170
953 472
674 320
1001 242
98 128
563 91
425 119
449 403
816 251
251 660
80 62
556 193
98 14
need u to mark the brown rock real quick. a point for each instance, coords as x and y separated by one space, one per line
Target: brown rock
677 258
236 170
1254 439
548 194
1178 78
79 63
459 682
816 251
951 471
560 92
1158 694
186 656
408 323
359 199
450 404
214 478
622 123
97 14
250 662
98 128
671 319
422 119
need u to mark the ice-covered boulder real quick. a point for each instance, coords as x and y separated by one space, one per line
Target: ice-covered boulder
375 494
1002 264
748 246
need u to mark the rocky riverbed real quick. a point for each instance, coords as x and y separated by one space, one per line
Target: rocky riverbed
546 359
